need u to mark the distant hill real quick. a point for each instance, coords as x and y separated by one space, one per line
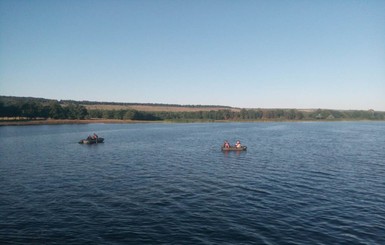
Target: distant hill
97 105
16 99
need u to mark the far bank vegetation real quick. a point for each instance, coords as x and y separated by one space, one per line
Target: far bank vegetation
27 108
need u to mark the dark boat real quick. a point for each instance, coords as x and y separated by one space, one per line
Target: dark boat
91 141
233 148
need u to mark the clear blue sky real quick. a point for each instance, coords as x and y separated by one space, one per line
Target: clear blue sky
269 54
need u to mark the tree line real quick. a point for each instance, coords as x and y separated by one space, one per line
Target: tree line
35 108
272 114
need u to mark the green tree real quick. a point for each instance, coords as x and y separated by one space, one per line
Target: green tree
108 114
56 111
75 111
129 114
290 114
95 113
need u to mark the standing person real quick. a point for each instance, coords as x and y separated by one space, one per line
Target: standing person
238 144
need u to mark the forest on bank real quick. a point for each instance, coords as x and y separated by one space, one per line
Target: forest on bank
27 108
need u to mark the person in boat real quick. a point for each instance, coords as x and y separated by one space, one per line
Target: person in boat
95 137
238 144
89 137
226 144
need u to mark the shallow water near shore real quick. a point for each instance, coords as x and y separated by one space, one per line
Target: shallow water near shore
297 183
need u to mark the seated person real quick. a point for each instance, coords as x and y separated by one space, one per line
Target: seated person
226 144
238 144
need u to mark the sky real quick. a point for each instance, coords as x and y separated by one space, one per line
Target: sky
327 54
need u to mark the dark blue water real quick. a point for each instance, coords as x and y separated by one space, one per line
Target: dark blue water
298 183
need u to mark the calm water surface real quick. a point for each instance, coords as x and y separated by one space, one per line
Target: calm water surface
298 183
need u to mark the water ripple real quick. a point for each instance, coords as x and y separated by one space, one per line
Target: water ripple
298 183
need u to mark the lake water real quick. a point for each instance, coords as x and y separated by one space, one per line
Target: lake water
298 183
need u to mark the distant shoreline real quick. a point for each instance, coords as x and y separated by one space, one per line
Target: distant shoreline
36 111
118 121
66 121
